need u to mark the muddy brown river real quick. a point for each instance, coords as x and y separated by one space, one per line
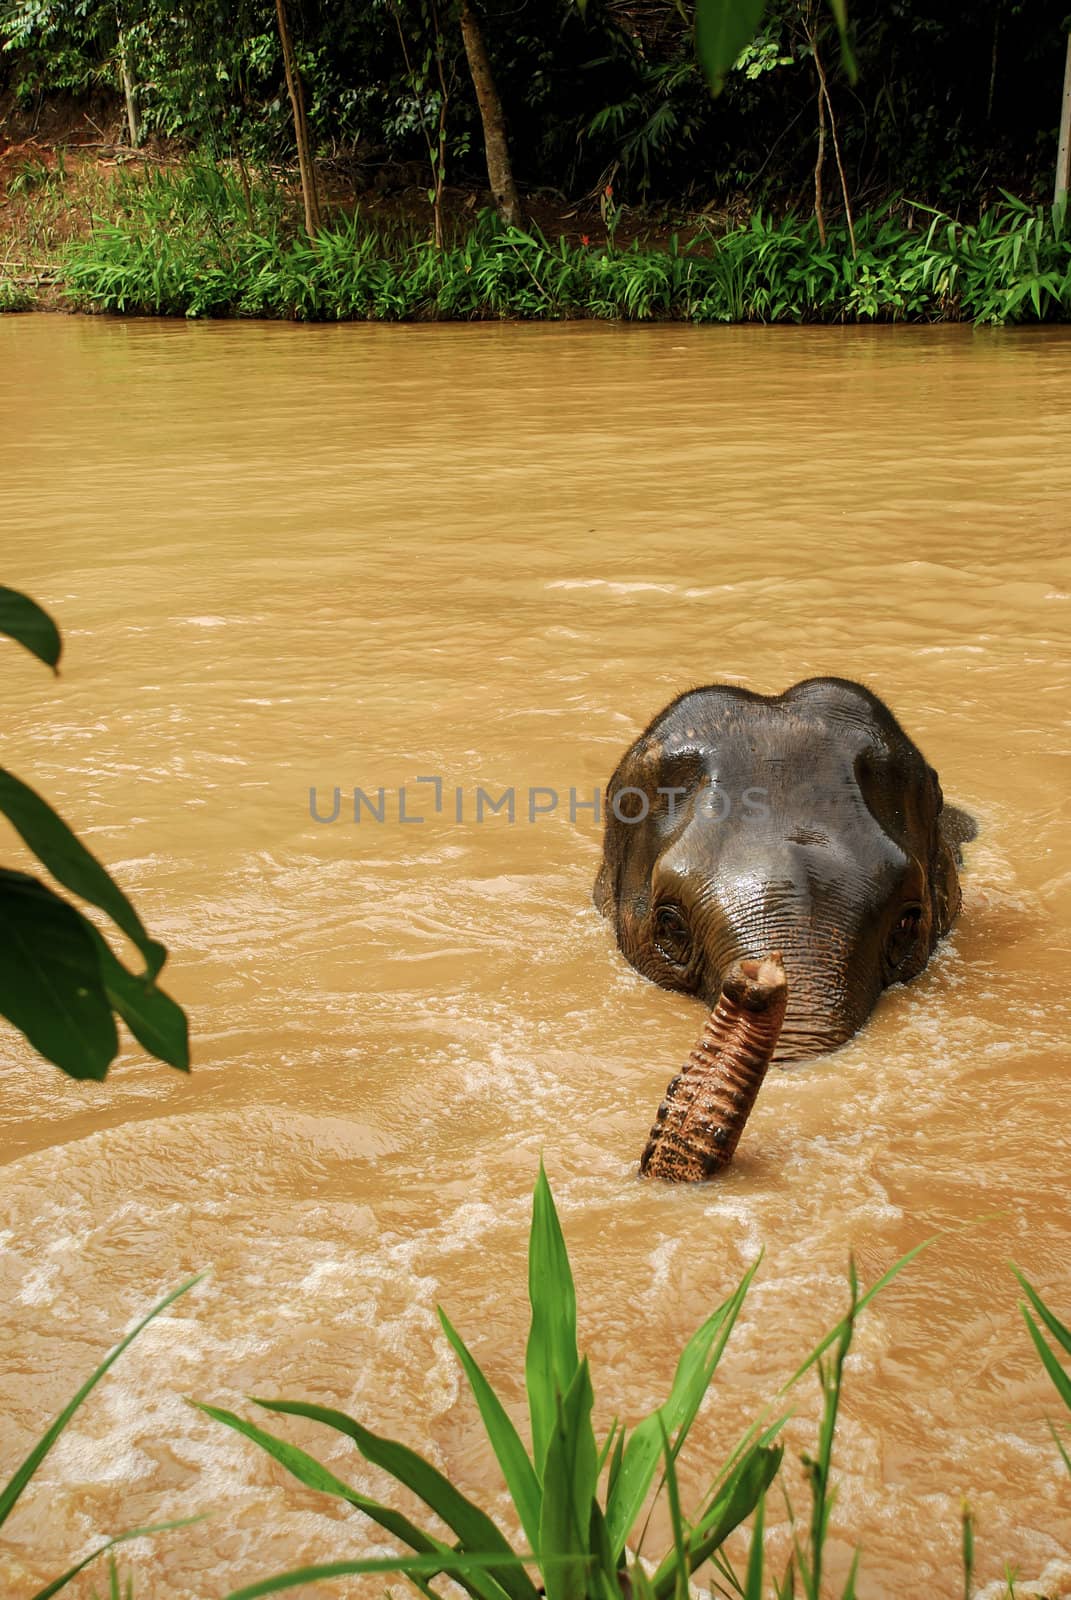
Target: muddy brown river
288 558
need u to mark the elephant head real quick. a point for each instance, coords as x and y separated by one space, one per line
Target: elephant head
806 822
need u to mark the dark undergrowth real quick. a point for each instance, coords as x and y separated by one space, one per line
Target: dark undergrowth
196 242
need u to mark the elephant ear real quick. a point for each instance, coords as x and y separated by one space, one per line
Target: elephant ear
954 829
957 828
603 893
634 771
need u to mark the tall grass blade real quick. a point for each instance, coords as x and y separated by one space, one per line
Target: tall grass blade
21 1477
853 1572
517 1469
695 1370
109 1544
551 1358
864 1300
754 1576
1052 1366
1060 1333
734 1502
1060 1446
680 1533
456 1564
569 1480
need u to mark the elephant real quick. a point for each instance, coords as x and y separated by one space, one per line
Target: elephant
805 823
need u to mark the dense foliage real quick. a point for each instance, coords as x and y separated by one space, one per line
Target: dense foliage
946 106
193 243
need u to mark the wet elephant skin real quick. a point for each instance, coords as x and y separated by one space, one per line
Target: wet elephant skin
806 822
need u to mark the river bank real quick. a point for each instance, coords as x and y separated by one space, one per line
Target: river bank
194 237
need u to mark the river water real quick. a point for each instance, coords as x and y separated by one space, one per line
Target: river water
288 558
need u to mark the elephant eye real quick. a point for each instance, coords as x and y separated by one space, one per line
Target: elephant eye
671 936
904 935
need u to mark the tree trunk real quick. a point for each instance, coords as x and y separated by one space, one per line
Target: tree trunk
301 130
128 92
707 1104
1063 154
499 170
819 214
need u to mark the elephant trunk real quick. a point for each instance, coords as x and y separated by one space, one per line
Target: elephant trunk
703 1114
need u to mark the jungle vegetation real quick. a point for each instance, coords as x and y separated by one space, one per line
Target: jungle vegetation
878 139
944 107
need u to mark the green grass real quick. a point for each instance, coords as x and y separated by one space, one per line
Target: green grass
12 1491
578 1499
13 297
193 243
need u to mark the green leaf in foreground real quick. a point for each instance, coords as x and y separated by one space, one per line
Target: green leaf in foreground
314 1475
109 1544
864 1300
68 860
695 1370
1062 1335
568 1492
551 1358
50 982
517 1469
23 620
18 1481
722 29
154 1019
753 1581
732 1505
474 1528
453 1563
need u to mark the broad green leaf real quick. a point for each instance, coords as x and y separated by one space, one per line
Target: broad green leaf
1061 1334
17 1483
109 1544
722 29
551 1359
474 1527
569 1476
517 1469
310 1472
695 1369
152 1016
68 860
23 620
735 1501
453 1563
50 983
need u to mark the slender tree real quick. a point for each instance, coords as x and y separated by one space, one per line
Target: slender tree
499 167
1063 153
309 191
128 87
